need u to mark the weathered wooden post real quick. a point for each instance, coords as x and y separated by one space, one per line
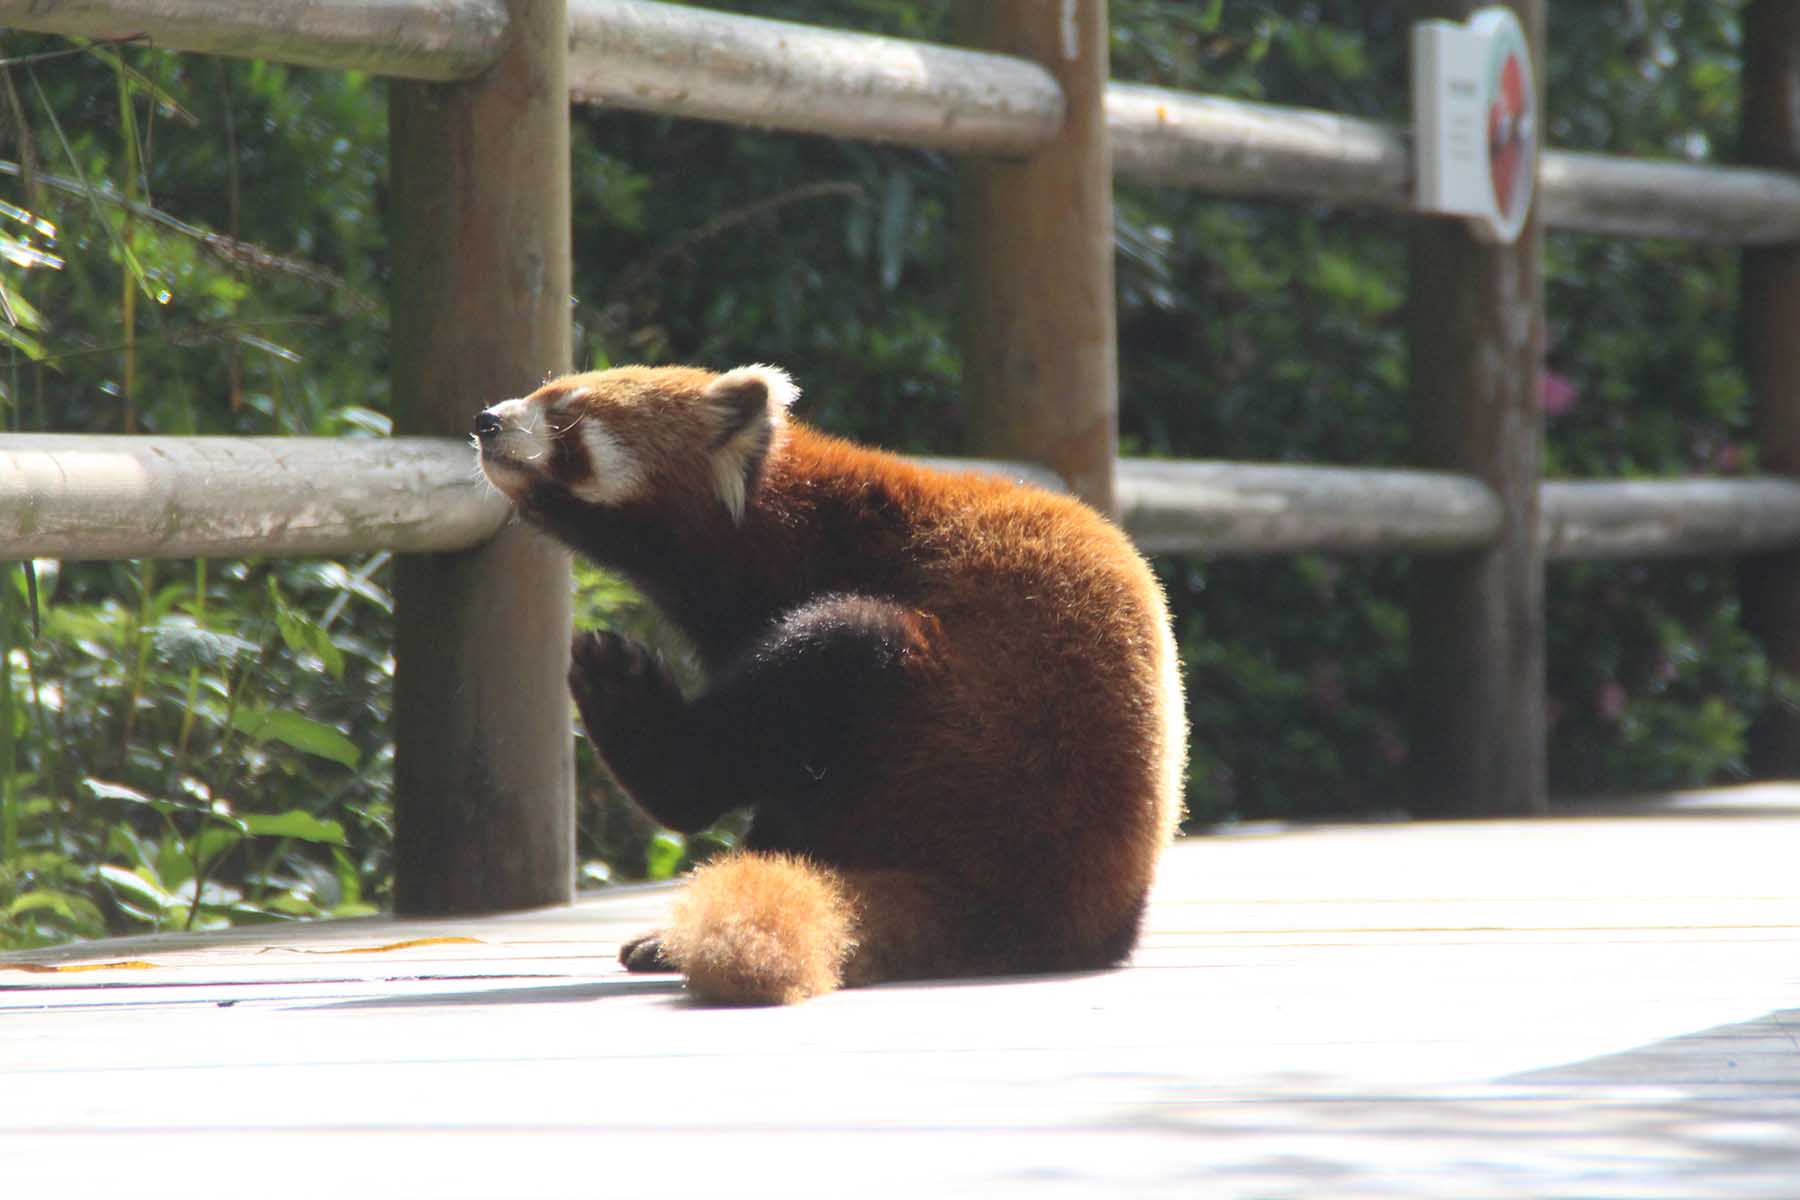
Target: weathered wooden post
1476 327
1771 325
484 791
1040 330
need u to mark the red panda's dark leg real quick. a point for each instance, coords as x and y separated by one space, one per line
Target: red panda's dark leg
634 715
789 720
644 953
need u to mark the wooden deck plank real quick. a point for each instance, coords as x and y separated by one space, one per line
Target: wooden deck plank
1594 1005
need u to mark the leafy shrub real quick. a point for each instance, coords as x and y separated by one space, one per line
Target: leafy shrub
193 249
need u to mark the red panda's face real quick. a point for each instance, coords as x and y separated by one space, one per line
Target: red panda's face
610 438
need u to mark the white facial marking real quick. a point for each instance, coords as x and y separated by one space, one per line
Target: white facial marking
615 474
521 445
522 434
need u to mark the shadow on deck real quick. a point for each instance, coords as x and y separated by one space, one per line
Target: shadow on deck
1603 1003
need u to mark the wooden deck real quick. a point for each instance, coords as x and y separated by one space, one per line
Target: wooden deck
1595 1006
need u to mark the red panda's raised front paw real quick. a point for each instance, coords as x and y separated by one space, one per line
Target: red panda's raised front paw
623 690
646 733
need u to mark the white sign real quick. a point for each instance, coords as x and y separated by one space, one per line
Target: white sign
1475 121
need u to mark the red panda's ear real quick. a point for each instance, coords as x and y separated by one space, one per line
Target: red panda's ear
747 404
749 396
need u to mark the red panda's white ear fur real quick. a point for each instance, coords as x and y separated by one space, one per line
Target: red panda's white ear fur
748 403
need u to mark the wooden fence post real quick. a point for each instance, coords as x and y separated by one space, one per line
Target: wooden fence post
1040 328
484 774
1476 328
1771 330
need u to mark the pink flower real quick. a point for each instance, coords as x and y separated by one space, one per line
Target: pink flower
1556 393
1609 701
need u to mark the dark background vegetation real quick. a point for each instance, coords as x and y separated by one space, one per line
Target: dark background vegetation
190 744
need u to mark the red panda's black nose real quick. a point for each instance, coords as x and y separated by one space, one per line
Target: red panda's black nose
486 424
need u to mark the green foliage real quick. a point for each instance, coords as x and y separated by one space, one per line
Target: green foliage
192 246
173 766
1653 681
196 245
1270 332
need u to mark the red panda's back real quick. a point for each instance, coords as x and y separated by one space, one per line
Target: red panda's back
1046 752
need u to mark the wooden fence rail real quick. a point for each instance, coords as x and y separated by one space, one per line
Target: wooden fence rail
691 62
87 497
1243 148
83 496
404 39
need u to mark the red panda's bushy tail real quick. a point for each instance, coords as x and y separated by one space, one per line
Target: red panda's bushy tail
757 928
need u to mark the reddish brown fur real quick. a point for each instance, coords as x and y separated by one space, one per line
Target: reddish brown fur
953 694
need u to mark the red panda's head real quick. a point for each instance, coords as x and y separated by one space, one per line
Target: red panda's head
611 438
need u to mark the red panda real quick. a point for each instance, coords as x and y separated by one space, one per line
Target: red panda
951 702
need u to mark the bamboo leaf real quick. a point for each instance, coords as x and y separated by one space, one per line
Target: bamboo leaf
101 789
302 636
295 823
895 228
23 342
149 898
138 81
25 256
662 857
76 909
31 597
93 196
302 733
117 791
99 634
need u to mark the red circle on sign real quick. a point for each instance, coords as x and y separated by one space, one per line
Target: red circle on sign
1508 135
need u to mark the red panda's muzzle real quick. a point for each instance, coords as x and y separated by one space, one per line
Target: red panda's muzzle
511 447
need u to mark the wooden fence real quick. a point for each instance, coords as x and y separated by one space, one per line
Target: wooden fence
480 195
